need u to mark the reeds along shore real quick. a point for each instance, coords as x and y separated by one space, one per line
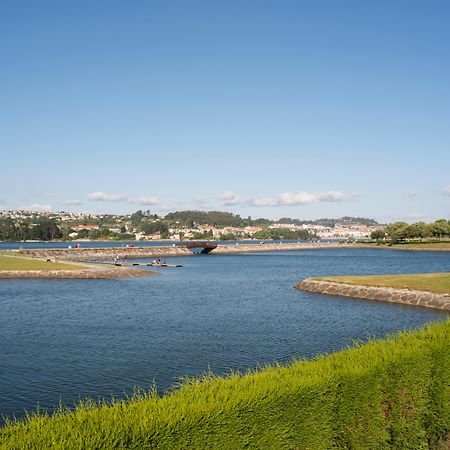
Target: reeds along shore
383 394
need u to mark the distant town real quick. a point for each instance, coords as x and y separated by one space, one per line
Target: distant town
21 225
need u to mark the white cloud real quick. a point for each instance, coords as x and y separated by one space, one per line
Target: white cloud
40 208
102 197
264 202
412 196
49 194
297 198
72 202
301 198
231 199
287 198
148 200
446 190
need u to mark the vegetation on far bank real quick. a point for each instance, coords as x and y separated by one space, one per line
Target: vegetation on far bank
438 283
125 227
411 245
19 263
399 232
383 394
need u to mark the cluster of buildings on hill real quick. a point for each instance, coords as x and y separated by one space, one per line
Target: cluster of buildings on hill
62 216
339 231
214 231
80 223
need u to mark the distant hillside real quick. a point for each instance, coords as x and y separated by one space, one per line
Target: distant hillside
219 218
346 220
227 219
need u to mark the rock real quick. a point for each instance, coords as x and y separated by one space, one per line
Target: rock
402 296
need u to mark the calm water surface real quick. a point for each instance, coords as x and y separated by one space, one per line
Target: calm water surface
68 339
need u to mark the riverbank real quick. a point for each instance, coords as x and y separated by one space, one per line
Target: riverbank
384 394
83 254
16 267
419 246
110 253
426 290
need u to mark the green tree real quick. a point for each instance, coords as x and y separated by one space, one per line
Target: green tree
396 231
416 230
154 227
46 230
378 235
136 218
439 229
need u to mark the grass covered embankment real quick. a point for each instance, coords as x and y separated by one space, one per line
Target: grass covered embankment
438 283
383 394
19 263
18 267
439 246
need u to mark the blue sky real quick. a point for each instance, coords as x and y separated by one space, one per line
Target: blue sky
304 109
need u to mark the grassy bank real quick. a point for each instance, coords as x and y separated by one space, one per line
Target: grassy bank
409 245
19 263
384 394
438 283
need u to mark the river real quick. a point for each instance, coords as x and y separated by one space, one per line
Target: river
68 339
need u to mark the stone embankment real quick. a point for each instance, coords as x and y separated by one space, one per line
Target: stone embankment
106 252
385 294
84 273
273 247
84 254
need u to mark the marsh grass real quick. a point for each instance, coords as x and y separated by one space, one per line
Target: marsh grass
393 393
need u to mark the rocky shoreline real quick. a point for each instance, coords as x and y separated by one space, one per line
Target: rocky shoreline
92 273
391 295
166 251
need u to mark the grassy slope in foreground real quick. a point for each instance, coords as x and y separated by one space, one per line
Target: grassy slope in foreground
438 283
18 263
383 394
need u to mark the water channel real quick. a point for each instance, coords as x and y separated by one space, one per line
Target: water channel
63 340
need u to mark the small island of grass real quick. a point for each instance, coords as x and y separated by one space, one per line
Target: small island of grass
18 267
430 290
437 283
19 263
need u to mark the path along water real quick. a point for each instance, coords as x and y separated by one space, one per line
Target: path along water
67 339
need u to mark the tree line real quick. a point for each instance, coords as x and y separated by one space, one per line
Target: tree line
43 229
401 231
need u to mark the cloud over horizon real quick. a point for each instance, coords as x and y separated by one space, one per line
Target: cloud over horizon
229 198
102 197
149 200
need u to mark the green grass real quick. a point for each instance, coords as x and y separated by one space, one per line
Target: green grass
410 245
439 283
392 394
19 263
424 245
